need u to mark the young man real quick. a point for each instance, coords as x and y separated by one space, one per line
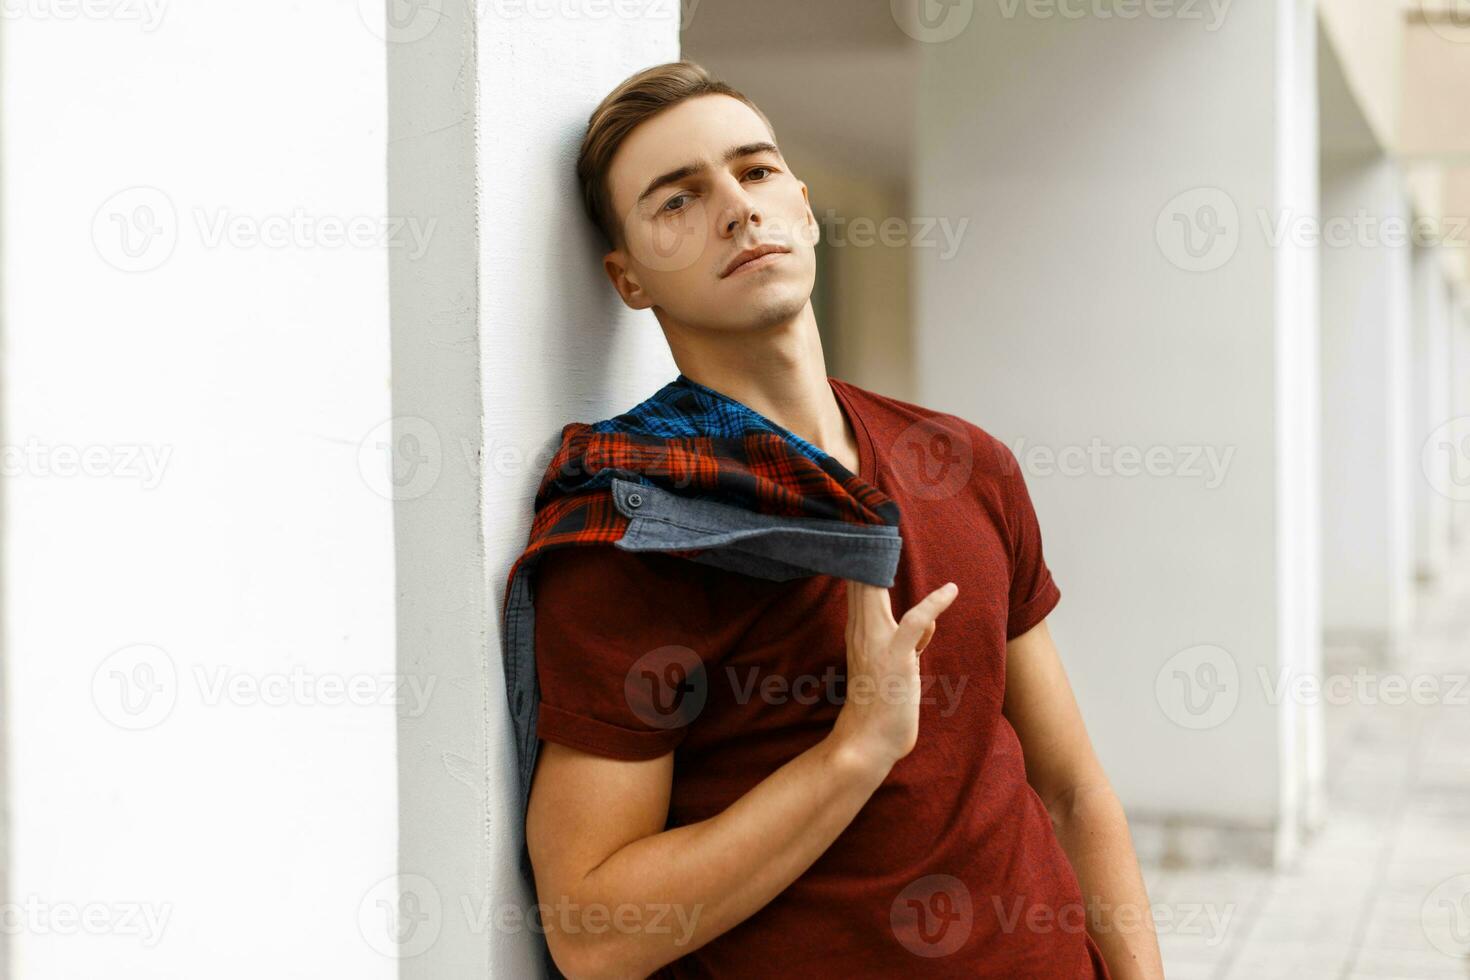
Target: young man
966 832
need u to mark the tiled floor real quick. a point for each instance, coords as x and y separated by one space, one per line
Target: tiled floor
1383 890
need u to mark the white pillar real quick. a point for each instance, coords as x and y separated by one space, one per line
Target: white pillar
1431 409
1368 464
198 578
1118 315
504 330
1455 461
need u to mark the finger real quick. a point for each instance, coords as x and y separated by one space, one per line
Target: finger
924 640
918 619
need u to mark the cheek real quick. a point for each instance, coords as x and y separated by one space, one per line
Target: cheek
674 244
801 226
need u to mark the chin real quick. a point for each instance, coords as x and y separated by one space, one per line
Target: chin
772 306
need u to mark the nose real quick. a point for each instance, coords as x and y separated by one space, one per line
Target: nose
737 207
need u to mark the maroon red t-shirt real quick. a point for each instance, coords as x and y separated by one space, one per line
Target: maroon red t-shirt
951 868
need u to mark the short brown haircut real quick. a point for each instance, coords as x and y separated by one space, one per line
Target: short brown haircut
638 98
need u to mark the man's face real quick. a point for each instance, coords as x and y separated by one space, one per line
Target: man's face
689 209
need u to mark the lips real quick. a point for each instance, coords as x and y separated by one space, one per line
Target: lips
751 253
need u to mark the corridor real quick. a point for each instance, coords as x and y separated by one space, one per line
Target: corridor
1383 890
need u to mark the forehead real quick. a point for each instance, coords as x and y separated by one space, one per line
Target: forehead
697 130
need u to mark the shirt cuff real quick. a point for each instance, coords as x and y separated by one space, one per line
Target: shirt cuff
1034 610
554 724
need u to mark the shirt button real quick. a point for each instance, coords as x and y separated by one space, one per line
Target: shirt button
635 499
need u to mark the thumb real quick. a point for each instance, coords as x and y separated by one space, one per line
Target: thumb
921 618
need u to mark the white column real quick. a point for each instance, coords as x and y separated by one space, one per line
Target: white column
1368 464
504 330
198 577
1429 394
1123 316
1455 461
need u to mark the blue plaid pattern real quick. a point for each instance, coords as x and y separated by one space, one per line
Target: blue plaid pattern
685 408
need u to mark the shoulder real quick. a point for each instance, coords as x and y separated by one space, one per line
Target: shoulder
894 422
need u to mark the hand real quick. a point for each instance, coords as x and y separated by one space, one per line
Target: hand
880 718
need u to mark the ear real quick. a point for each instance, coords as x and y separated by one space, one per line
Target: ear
615 264
814 230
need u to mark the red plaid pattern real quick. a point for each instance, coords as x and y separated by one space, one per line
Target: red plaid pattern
760 471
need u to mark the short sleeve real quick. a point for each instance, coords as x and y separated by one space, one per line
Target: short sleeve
1033 592
620 640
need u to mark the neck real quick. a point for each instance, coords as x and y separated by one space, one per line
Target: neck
777 370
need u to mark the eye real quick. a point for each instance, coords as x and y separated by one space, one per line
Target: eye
754 169
676 197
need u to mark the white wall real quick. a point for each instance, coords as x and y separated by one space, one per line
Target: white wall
1368 467
251 824
557 344
444 602
503 332
1075 312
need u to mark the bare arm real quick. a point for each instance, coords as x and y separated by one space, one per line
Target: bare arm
1089 821
595 825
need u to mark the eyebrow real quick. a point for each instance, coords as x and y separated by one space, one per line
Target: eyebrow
690 169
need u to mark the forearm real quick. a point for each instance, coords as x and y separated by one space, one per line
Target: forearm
714 874
1093 830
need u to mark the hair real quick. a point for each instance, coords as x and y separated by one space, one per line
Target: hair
638 98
